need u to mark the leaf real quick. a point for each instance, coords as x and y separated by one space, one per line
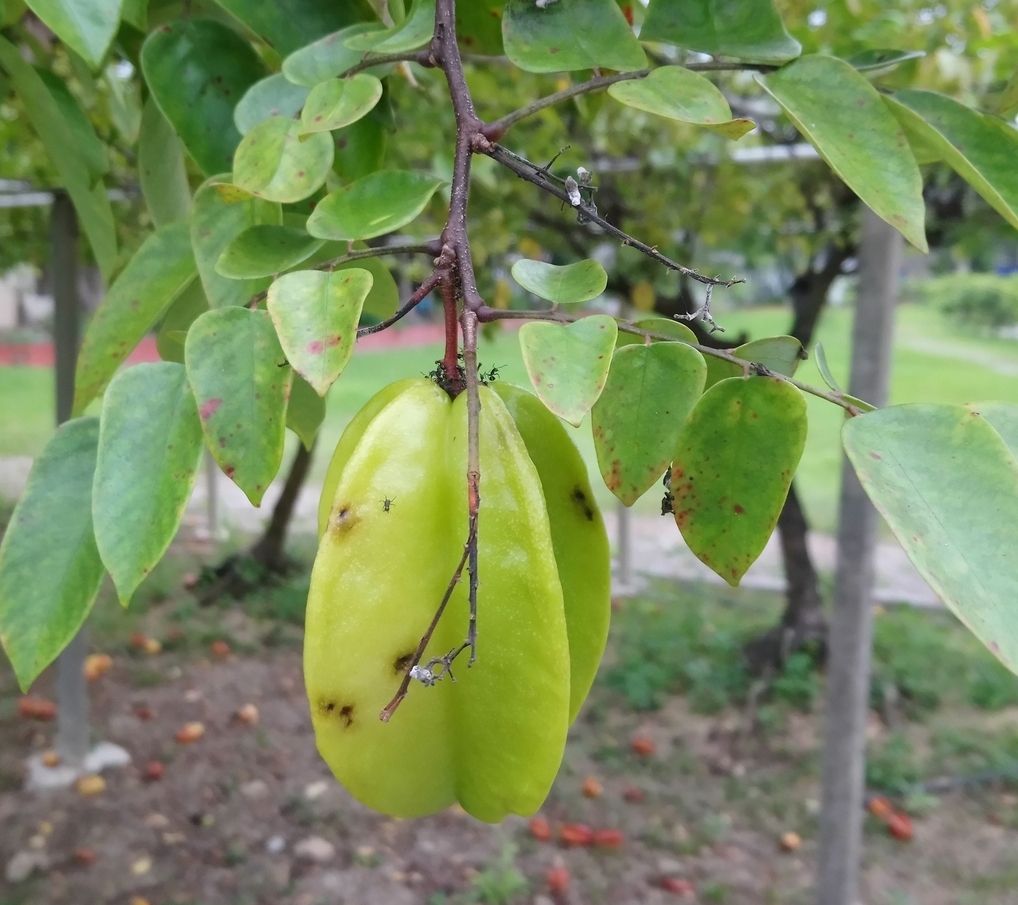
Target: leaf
1006 101
746 29
161 168
86 142
824 368
780 354
568 285
677 93
124 102
413 32
150 447
479 27
326 58
844 118
360 149
979 148
733 464
947 485
569 35
233 363
86 26
287 25
274 162
90 199
185 310
272 96
265 250
663 325
214 225
873 59
568 365
338 102
315 315
50 571
373 206
159 271
197 70
637 420
305 411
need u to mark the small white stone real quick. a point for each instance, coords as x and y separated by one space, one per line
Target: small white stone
256 788
315 848
157 821
316 789
275 844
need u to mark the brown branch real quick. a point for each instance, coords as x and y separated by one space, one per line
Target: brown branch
586 213
421 57
473 463
486 315
433 248
422 292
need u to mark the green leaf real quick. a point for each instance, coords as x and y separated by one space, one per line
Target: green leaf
233 363
569 35
124 102
1005 103
873 59
287 25
338 102
275 162
150 447
568 285
197 70
326 58
568 365
824 368
159 271
135 12
315 315
373 206
947 485
744 29
733 464
86 142
264 251
663 325
479 27
413 32
90 199
844 118
161 168
50 571
1003 418
305 411
184 311
360 149
780 354
637 420
86 26
979 148
677 93
215 223
272 96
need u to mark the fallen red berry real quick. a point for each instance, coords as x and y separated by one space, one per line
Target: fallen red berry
609 838
558 879
643 746
540 829
576 834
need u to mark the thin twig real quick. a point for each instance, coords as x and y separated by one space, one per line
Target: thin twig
486 315
422 292
473 463
586 213
433 248
421 57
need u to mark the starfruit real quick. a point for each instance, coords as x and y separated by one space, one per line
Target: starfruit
396 505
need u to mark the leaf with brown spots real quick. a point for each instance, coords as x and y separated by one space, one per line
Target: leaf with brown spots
733 464
316 314
232 357
780 354
276 162
336 103
945 479
568 365
638 418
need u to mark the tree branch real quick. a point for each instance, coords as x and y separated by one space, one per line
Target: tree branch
422 292
586 213
421 57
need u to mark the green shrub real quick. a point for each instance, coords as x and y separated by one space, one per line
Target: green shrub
979 300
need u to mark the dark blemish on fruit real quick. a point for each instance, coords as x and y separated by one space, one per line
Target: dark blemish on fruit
346 714
402 664
326 706
580 498
343 519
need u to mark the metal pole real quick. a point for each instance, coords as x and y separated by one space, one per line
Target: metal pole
850 638
624 523
72 692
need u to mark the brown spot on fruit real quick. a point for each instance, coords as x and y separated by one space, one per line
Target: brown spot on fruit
346 714
580 498
402 663
343 518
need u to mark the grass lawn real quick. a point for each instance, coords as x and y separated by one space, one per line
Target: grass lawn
932 363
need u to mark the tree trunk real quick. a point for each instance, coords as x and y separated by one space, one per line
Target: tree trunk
268 552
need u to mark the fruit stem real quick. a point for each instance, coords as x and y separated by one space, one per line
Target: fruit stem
450 361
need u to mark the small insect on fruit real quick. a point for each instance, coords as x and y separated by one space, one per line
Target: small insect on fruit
387 504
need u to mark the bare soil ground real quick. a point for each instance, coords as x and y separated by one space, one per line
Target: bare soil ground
226 821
